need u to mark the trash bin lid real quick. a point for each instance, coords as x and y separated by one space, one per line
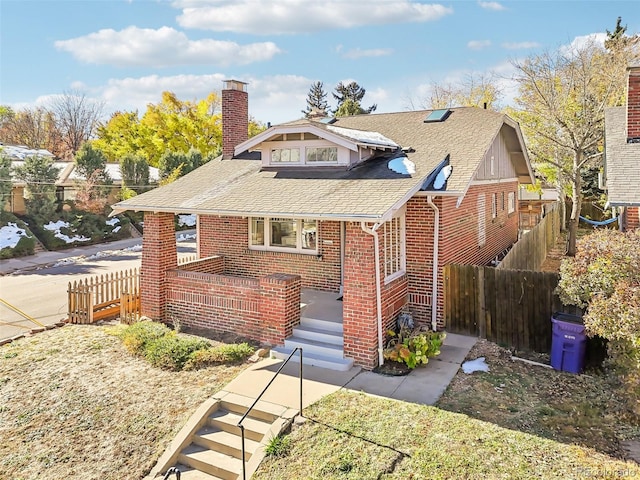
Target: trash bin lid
567 317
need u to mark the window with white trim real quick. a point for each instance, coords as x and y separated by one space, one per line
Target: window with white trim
285 155
283 235
394 256
512 202
482 225
494 205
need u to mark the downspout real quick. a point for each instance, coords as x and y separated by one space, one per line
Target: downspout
434 280
376 242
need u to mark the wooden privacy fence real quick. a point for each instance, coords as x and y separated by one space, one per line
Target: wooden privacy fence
509 307
105 296
531 250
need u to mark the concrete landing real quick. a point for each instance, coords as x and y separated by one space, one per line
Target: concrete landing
423 385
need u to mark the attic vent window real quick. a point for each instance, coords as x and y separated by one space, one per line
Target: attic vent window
438 116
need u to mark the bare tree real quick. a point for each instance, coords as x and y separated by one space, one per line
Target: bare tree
32 127
474 90
77 118
561 102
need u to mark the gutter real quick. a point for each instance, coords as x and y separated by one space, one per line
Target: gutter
374 232
434 279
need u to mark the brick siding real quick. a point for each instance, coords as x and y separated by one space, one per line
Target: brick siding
632 218
633 104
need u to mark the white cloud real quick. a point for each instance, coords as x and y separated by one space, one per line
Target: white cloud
161 47
492 6
372 52
266 17
478 44
581 41
520 45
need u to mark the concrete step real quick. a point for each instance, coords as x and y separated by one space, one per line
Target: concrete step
323 324
225 442
254 428
318 334
313 347
267 411
211 462
331 363
189 473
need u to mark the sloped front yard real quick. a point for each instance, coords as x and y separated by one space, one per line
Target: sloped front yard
517 421
75 404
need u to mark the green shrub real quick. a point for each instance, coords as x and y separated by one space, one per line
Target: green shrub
25 245
171 352
231 353
136 337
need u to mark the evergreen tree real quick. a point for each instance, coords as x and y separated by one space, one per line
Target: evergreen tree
352 94
40 175
135 175
5 179
316 100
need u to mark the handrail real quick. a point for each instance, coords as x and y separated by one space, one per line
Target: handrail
170 472
244 463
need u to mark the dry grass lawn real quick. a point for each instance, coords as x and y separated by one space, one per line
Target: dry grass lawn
75 404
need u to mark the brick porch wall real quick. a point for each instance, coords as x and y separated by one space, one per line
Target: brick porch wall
264 309
229 237
159 254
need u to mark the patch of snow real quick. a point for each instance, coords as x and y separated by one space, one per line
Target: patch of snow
187 220
402 165
363 136
52 227
113 221
441 178
55 227
477 365
184 237
117 229
10 235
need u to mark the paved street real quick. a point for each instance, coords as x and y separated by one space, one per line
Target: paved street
41 293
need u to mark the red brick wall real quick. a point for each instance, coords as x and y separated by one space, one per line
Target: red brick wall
264 309
229 238
235 120
458 240
632 218
633 103
159 254
213 264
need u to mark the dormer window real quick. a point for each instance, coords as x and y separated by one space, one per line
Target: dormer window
322 154
285 155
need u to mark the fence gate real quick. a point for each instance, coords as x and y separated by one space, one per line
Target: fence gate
510 307
104 296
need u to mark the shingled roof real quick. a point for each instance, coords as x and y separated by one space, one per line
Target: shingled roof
622 160
368 192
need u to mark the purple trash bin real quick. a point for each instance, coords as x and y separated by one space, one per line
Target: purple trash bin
568 342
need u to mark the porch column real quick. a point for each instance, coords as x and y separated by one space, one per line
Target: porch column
359 300
159 254
279 307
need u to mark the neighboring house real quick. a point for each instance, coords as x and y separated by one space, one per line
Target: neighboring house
368 208
67 181
622 154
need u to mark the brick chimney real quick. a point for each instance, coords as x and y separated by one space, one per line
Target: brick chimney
633 104
235 116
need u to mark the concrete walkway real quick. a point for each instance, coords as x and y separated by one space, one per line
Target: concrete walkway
424 385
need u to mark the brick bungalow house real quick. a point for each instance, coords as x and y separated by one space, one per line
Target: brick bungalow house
622 154
365 209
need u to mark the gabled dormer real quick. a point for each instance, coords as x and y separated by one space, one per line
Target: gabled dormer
315 144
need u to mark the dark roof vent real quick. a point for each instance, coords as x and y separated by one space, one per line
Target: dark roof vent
438 115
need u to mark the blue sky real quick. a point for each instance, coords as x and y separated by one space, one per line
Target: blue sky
126 52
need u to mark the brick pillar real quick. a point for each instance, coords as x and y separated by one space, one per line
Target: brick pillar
632 218
633 104
359 299
235 116
279 307
159 254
